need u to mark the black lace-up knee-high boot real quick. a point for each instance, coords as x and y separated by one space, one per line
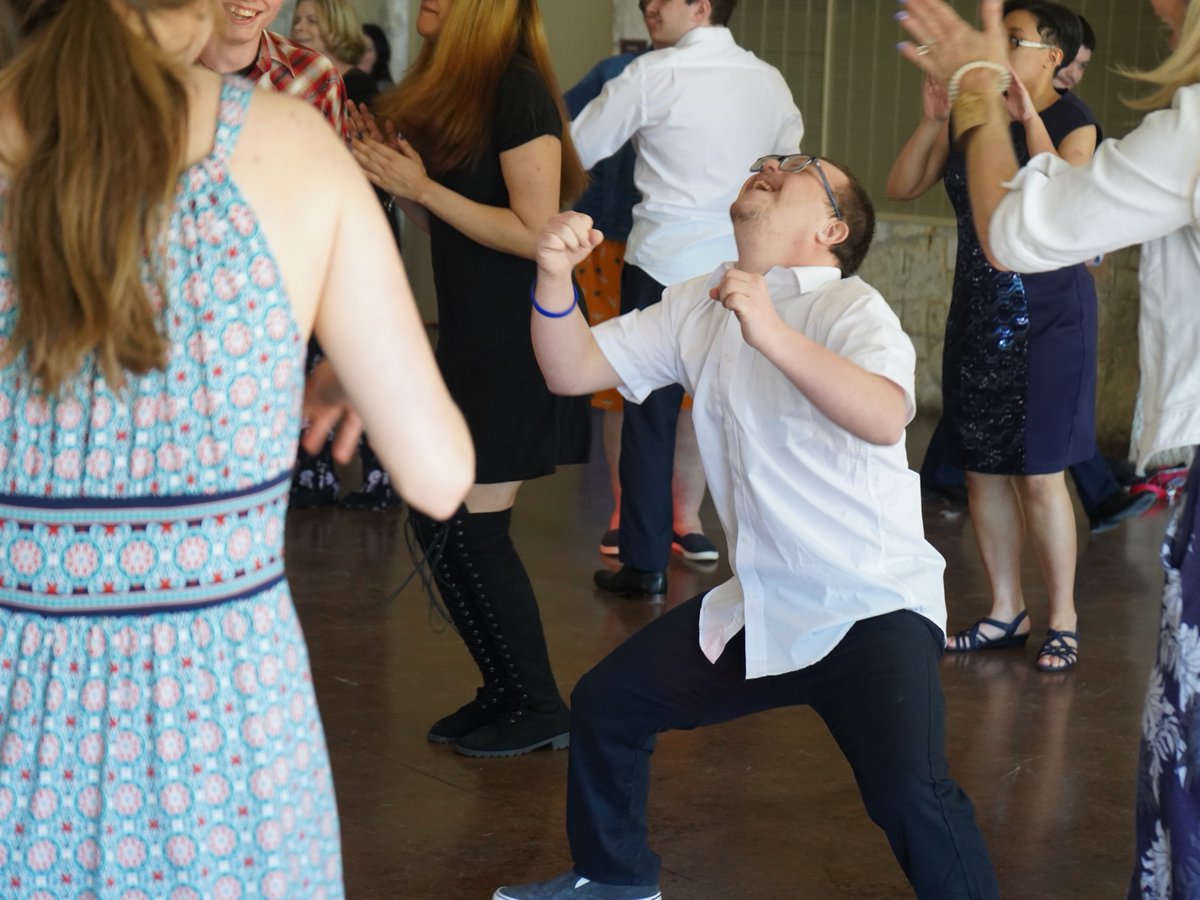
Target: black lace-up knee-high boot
491 698
536 715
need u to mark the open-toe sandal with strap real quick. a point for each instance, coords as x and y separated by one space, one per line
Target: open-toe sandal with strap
1061 646
973 638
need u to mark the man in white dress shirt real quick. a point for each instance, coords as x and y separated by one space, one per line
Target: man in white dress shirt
803 385
695 111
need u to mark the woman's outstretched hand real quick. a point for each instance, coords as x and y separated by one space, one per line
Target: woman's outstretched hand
942 42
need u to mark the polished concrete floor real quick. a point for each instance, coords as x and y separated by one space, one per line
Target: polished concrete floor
761 808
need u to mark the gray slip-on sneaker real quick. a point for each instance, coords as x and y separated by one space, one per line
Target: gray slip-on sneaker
571 886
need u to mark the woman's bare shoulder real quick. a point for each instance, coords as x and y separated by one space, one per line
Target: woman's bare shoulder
285 140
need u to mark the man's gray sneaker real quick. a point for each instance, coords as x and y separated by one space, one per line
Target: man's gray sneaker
570 886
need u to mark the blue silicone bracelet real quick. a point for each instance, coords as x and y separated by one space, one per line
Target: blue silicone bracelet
545 312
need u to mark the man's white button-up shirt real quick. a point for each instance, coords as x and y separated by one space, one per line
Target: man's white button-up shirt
824 529
699 114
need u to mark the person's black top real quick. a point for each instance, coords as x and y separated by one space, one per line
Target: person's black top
1070 97
484 349
360 87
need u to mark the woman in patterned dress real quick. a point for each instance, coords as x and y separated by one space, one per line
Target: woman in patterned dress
159 277
1141 189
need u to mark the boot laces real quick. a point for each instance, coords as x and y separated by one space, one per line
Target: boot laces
425 563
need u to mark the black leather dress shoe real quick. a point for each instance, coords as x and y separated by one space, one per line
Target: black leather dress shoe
628 580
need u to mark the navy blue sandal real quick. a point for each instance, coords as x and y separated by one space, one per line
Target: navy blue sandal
974 639
1057 646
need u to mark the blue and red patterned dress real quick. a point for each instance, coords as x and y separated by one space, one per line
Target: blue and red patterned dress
159 736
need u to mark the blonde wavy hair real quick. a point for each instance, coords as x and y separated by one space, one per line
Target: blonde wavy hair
341 29
1180 69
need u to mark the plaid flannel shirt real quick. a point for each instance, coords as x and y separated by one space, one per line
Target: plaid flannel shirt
287 67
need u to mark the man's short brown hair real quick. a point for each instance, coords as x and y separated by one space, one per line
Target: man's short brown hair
859 215
721 11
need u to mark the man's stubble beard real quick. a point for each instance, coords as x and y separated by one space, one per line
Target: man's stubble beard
744 211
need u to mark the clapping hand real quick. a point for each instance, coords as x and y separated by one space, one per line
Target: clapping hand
363 125
391 163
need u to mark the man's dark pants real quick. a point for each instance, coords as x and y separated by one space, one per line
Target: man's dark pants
647 452
878 692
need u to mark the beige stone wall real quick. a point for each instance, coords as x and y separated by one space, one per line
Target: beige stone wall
580 35
912 265
1116 391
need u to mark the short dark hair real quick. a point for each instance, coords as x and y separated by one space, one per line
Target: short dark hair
1089 36
859 215
1057 25
382 70
721 10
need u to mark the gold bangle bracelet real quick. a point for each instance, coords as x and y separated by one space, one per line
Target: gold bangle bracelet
1004 76
970 110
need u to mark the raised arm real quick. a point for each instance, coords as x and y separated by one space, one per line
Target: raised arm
942 44
922 159
867 405
1132 191
568 355
1076 147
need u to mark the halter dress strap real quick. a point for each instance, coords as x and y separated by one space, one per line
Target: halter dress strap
231 115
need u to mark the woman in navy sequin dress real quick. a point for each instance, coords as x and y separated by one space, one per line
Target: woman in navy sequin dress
1019 364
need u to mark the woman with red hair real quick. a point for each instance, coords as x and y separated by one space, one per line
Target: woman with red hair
485 159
